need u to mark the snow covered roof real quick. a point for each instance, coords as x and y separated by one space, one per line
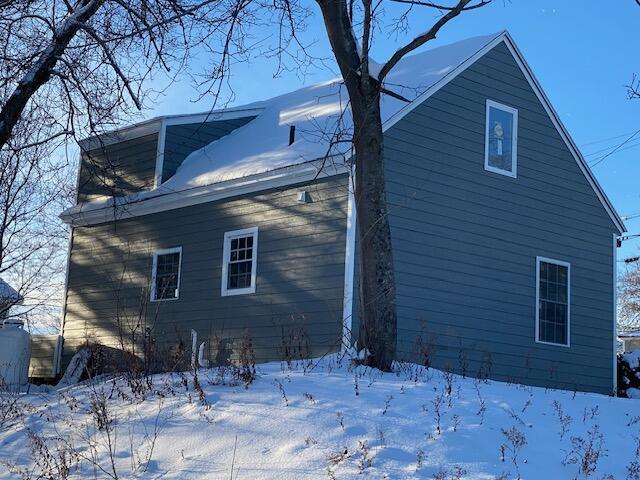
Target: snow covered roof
7 292
317 112
260 149
629 334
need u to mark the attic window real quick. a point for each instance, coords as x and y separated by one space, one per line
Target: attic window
501 135
239 259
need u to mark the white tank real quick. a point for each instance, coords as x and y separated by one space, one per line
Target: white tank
15 355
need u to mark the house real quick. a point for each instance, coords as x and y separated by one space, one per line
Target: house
8 298
240 224
630 340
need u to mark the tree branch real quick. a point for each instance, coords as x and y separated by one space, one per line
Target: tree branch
429 35
40 72
444 7
114 64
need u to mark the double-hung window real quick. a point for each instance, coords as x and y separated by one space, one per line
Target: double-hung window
239 261
501 139
165 276
553 301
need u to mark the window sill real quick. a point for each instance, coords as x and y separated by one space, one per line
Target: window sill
499 171
160 300
564 345
238 291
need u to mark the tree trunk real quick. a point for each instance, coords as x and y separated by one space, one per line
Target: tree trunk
377 274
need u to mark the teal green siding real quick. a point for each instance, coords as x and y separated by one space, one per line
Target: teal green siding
299 287
465 240
118 169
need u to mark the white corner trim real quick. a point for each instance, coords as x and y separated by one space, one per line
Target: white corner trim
226 254
156 253
162 134
542 97
349 265
615 315
564 264
513 173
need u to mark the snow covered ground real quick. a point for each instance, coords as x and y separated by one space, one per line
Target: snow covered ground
325 420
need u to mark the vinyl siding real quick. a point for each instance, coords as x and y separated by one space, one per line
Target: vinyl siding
43 351
300 274
118 169
465 240
181 140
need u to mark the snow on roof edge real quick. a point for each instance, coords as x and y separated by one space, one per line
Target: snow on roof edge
209 114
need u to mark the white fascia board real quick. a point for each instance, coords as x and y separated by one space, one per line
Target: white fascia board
90 214
542 97
121 135
214 116
154 125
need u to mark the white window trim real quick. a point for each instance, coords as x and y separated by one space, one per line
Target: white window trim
226 253
156 253
514 139
563 264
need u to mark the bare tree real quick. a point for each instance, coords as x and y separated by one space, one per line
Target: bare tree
34 186
69 69
350 28
629 296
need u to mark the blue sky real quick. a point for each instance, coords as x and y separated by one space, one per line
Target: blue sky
582 52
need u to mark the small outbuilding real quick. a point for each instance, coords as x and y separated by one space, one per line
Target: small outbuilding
630 340
9 297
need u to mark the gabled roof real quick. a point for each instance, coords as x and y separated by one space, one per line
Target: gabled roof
259 151
8 293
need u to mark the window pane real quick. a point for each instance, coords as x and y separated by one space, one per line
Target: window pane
500 139
553 273
562 294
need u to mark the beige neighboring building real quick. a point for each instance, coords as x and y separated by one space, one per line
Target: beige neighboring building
630 341
8 297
